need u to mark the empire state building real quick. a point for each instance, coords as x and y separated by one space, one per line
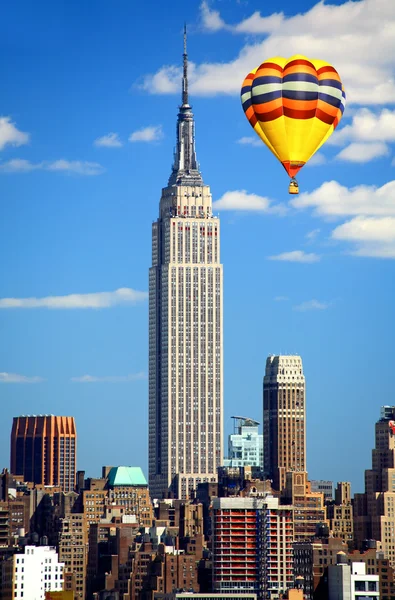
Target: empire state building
185 325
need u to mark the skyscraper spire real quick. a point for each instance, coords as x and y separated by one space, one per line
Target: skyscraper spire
185 70
185 169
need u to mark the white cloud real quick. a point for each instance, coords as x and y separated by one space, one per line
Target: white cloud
109 378
312 305
211 19
335 200
363 152
250 141
367 69
256 24
72 301
367 126
16 378
153 133
20 165
75 166
10 135
373 236
111 140
317 160
311 235
243 201
297 256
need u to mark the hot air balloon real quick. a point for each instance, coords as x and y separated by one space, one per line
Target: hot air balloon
294 105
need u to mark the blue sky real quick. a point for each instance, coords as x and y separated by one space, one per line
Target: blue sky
88 104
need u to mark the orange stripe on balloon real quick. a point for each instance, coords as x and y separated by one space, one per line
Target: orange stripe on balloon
324 117
328 108
249 112
268 106
274 114
300 61
266 72
299 114
271 65
299 104
328 73
299 69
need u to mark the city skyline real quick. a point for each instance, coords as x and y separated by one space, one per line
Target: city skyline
78 199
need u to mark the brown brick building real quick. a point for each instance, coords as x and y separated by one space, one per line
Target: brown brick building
309 508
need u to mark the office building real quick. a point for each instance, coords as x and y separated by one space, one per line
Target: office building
185 326
311 561
284 418
310 510
324 486
252 546
72 544
32 574
374 510
349 582
44 450
340 513
245 444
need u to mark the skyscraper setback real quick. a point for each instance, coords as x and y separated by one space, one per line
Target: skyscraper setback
284 416
43 450
185 325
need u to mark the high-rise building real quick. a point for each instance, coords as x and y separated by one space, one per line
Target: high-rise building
284 416
374 511
245 445
185 325
252 546
44 450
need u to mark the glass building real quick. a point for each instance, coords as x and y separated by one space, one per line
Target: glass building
245 445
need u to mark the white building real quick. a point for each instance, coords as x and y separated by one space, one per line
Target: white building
245 445
185 326
28 576
350 582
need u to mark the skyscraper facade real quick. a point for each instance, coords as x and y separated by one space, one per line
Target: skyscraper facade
185 325
374 511
284 416
44 450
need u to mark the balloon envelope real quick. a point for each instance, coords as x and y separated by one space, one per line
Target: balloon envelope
294 105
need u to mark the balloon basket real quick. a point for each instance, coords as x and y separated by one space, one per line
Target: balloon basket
293 187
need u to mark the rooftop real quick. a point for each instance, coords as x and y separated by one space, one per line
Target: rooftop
126 476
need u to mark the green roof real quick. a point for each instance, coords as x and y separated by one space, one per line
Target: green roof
126 476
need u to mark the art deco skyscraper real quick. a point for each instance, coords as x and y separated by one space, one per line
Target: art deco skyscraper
44 450
185 325
374 511
284 416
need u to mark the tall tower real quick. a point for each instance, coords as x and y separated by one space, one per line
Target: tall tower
284 416
185 325
374 511
44 450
